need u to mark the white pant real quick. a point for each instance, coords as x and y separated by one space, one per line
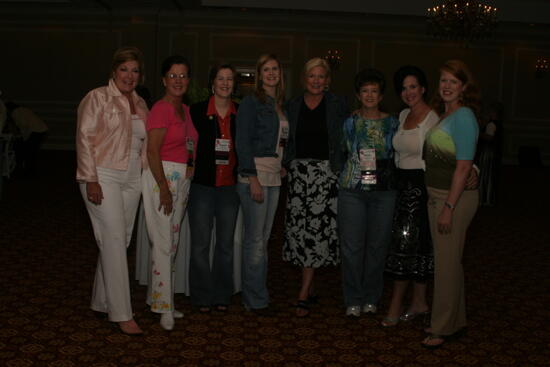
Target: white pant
112 222
164 232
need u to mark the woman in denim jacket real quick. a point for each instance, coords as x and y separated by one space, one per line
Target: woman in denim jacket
262 133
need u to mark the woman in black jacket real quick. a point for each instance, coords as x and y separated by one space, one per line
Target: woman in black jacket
213 194
316 155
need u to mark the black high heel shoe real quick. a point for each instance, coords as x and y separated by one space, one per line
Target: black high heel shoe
409 316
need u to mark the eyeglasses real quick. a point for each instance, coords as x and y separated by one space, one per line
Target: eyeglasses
177 76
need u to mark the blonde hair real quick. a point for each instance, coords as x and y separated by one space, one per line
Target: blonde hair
129 53
313 63
259 90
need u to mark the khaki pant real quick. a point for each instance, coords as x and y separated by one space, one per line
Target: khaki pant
449 308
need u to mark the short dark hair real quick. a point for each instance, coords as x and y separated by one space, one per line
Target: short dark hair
174 60
214 72
369 76
409 70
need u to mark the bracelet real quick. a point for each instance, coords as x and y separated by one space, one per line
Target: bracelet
449 205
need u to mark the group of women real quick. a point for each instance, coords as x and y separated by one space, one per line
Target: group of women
365 188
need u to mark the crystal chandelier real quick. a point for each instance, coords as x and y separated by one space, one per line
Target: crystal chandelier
334 59
463 20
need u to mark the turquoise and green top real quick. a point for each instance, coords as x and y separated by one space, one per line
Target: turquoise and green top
361 133
454 138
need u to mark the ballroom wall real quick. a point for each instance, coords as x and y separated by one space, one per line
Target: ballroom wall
51 59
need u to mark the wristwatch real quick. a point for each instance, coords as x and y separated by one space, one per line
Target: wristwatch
449 205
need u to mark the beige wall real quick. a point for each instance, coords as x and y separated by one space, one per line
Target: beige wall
49 63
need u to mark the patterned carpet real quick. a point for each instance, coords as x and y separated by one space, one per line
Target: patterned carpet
47 260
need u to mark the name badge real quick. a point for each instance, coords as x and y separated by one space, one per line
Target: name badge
222 149
284 136
367 163
190 144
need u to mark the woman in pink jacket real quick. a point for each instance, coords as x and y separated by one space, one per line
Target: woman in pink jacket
110 145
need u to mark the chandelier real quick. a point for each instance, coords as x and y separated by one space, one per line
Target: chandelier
464 20
334 59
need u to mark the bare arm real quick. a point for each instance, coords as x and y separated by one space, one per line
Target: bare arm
155 138
461 173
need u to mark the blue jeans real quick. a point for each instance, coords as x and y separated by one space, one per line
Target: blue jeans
364 227
212 284
258 220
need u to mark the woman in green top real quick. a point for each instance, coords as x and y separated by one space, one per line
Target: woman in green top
449 153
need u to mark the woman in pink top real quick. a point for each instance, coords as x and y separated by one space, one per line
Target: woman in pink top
109 142
171 152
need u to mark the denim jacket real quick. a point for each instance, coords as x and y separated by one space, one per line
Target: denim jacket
257 133
337 111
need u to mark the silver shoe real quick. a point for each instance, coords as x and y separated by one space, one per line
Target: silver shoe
408 316
369 308
353 311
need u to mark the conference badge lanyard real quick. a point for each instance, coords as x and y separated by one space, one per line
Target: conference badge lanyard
284 136
223 147
367 164
190 144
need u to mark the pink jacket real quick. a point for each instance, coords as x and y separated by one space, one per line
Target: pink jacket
104 131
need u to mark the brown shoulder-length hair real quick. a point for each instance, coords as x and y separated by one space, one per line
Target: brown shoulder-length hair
129 53
471 95
213 73
259 90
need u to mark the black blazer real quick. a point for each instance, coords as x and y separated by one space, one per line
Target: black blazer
207 127
337 111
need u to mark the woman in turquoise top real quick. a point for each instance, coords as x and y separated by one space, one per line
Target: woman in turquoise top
366 197
449 152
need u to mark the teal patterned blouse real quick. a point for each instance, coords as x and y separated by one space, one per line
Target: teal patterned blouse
361 133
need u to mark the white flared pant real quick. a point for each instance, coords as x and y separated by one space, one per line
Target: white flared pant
164 232
112 222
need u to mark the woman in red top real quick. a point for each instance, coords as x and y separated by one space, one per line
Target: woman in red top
213 196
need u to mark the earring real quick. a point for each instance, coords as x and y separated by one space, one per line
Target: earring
213 90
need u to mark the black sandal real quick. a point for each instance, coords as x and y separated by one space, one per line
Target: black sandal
444 339
426 340
313 299
302 305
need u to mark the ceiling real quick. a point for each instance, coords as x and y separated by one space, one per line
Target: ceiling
526 11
